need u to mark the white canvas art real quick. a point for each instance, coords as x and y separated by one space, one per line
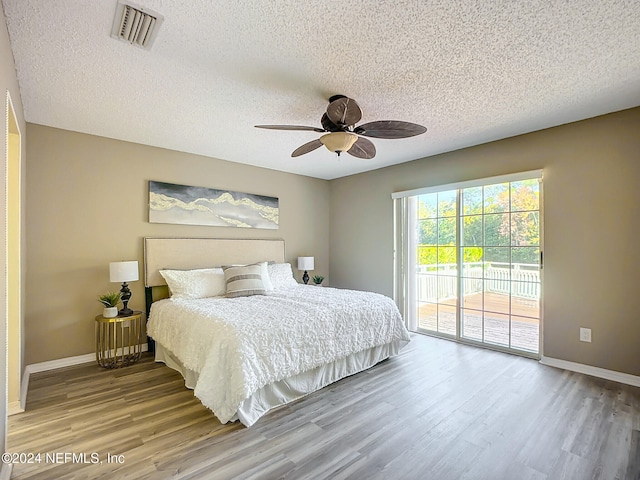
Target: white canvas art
183 204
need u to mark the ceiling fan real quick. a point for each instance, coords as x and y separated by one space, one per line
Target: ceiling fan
343 136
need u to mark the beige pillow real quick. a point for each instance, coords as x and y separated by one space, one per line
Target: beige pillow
244 281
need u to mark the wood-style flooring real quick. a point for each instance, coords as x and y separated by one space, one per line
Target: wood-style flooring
439 410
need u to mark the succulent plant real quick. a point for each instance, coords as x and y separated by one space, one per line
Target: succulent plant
110 299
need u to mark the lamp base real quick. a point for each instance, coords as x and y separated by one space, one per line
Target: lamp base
125 296
305 277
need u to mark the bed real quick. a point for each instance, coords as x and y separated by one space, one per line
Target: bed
246 355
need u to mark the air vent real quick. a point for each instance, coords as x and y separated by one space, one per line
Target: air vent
135 25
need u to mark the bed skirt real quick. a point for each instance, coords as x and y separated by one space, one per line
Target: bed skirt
292 388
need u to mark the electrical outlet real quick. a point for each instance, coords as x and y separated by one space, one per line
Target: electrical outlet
585 335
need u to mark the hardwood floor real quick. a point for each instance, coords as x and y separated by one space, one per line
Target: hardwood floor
439 410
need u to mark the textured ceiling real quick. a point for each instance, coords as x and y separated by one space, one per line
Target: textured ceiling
471 72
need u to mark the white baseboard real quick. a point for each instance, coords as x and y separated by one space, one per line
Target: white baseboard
620 377
60 363
13 408
54 364
5 471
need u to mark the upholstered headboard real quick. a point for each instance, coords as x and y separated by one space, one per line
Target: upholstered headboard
190 253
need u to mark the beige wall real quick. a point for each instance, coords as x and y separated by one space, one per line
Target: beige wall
8 83
591 228
88 205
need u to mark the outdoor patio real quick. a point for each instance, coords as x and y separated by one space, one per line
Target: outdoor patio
521 319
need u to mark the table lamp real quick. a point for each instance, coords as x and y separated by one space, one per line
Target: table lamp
124 272
305 263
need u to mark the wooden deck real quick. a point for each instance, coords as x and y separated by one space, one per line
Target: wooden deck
520 318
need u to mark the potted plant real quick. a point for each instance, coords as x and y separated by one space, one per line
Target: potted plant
110 301
317 280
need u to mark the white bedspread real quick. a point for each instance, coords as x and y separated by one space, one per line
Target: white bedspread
239 345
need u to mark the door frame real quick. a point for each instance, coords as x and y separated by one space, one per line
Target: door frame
13 274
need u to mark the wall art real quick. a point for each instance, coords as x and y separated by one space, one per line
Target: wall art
188 205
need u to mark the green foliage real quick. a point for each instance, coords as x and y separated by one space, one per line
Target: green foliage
473 254
317 279
110 299
432 254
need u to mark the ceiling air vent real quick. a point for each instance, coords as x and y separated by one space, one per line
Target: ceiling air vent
135 25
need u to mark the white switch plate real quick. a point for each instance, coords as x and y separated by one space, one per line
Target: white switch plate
585 335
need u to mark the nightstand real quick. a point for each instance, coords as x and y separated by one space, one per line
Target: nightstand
119 340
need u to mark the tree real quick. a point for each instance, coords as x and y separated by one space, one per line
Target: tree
495 217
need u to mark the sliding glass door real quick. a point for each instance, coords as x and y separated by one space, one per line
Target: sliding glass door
500 245
474 261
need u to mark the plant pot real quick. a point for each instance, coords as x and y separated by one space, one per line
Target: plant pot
110 312
318 284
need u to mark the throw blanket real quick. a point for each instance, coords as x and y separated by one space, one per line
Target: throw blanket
239 345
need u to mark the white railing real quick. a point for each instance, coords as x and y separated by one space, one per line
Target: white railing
439 282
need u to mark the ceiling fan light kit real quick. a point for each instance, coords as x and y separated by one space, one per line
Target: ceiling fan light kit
338 142
339 120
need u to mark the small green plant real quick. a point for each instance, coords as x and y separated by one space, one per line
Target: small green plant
317 279
110 299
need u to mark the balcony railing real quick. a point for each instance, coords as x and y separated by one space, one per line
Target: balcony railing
439 282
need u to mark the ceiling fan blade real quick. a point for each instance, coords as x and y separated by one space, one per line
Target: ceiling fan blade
390 129
306 148
363 148
328 125
290 127
344 111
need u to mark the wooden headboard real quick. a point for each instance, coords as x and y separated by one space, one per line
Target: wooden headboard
190 253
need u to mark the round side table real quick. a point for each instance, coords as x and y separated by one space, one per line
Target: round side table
119 340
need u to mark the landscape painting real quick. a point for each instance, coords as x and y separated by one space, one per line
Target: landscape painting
183 204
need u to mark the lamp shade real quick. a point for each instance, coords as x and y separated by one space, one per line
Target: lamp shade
123 271
305 263
339 141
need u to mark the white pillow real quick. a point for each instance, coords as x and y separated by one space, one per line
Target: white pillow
244 281
281 275
200 283
266 278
